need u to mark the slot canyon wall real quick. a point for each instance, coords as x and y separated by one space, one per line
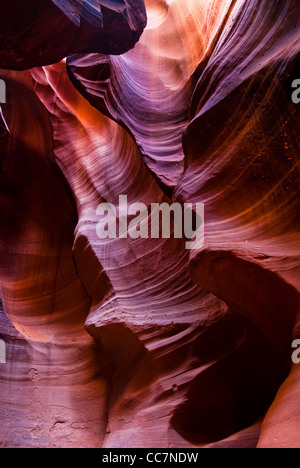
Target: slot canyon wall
139 342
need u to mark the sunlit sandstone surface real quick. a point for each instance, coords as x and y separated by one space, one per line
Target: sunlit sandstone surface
140 342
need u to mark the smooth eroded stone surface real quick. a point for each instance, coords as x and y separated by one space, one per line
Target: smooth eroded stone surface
139 342
34 33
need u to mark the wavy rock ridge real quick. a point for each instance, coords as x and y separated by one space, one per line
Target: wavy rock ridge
140 342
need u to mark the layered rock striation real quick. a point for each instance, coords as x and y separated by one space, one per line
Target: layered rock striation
139 342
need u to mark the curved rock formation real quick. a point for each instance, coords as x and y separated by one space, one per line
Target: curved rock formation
34 34
139 342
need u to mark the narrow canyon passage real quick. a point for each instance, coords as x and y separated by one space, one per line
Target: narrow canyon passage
140 342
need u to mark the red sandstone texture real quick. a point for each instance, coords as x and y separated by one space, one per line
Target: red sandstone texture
141 342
